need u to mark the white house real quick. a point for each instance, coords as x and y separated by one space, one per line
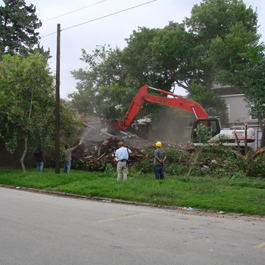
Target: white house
239 112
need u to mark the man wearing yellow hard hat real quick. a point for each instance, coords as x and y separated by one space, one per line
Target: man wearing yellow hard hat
159 159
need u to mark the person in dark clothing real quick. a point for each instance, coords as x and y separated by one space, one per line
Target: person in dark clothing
159 159
39 156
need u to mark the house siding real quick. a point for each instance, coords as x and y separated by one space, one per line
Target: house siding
239 113
238 109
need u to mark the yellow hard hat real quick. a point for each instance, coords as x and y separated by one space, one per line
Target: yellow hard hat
159 144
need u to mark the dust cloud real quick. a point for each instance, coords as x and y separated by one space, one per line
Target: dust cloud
172 126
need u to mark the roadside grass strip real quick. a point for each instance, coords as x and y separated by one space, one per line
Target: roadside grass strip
245 196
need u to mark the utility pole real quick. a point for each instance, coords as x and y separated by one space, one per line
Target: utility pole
57 106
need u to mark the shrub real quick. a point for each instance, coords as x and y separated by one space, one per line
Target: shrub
256 167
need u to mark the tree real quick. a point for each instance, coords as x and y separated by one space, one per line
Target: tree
160 57
138 59
104 67
209 47
27 103
254 81
173 51
26 86
99 87
224 29
18 27
214 105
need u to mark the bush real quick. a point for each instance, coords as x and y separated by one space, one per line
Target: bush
216 161
110 171
81 164
175 170
177 156
144 166
238 175
256 167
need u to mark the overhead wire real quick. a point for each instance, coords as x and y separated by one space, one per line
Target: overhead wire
16 46
74 11
92 20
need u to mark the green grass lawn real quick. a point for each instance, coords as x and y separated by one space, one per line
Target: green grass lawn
242 195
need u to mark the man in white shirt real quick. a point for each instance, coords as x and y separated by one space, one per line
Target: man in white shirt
122 154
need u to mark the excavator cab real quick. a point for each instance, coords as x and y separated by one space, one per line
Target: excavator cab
212 124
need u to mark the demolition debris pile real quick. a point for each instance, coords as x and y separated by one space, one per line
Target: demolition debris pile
103 151
98 146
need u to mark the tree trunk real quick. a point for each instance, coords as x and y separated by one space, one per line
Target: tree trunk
209 78
23 156
262 140
262 126
26 140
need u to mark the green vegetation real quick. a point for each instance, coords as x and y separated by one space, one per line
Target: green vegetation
212 46
18 27
219 43
218 161
27 100
237 194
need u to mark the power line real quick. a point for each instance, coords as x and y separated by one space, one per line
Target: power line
92 20
74 11
124 10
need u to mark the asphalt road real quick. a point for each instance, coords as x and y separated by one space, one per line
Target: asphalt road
44 229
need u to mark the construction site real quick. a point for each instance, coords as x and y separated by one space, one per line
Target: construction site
205 148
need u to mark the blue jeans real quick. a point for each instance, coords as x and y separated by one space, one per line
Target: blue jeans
40 166
159 171
67 167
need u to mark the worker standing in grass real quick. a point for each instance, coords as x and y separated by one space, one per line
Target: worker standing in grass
159 159
39 158
67 154
122 155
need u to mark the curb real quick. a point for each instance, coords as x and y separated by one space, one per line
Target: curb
182 210
77 196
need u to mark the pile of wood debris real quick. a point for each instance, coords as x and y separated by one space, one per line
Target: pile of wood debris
104 151
98 146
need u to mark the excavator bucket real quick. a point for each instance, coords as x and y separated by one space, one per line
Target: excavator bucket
114 126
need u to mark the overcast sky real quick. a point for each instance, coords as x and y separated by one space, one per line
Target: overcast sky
109 30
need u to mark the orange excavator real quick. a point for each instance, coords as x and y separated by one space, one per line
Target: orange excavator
174 101
230 137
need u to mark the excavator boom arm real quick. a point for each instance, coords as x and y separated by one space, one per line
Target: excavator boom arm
180 103
174 101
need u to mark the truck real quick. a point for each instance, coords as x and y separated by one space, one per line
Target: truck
236 139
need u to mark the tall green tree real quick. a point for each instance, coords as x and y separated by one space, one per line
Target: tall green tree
27 103
173 51
224 28
208 47
162 58
26 88
99 86
138 59
18 25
